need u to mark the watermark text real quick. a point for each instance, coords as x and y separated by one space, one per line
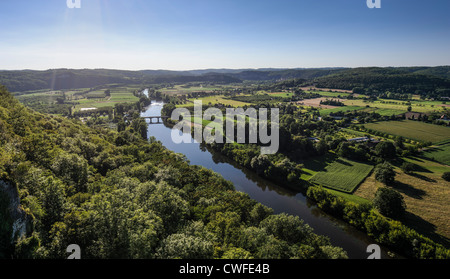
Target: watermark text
242 126
374 4
73 4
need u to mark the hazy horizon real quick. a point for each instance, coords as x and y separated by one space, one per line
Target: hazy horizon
229 69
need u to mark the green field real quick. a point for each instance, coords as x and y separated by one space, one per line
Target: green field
100 94
439 154
395 105
342 175
414 130
282 94
324 112
385 111
85 98
118 95
186 89
380 111
218 99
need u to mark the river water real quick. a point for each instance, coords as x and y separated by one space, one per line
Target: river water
277 197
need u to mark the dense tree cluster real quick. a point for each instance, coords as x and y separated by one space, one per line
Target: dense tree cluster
332 102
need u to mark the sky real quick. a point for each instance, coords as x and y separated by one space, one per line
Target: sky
237 34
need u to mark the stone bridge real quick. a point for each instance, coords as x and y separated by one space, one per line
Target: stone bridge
159 119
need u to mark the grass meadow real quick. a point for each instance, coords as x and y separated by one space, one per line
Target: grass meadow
415 130
440 153
426 194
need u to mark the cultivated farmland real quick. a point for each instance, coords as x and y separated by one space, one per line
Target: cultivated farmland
324 112
216 99
414 130
394 105
342 175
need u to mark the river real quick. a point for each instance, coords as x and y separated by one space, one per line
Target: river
277 197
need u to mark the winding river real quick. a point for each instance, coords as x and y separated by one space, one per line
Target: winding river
277 197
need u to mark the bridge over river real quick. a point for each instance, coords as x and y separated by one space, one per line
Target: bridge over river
159 119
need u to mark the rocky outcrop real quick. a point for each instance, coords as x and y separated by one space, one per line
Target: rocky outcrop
21 220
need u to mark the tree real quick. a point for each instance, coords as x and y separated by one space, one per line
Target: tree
252 239
385 173
274 248
167 109
73 169
286 166
260 163
408 167
286 227
389 202
446 176
140 126
321 147
167 202
170 175
53 203
121 125
331 252
399 142
386 150
181 246
344 150
236 253
259 213
225 225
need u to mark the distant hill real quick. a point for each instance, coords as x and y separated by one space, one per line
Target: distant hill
19 81
423 81
283 74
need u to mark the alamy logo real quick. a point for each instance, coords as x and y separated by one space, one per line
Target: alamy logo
74 4
374 4
375 252
255 124
75 252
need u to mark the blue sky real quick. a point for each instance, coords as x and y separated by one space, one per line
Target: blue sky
199 34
